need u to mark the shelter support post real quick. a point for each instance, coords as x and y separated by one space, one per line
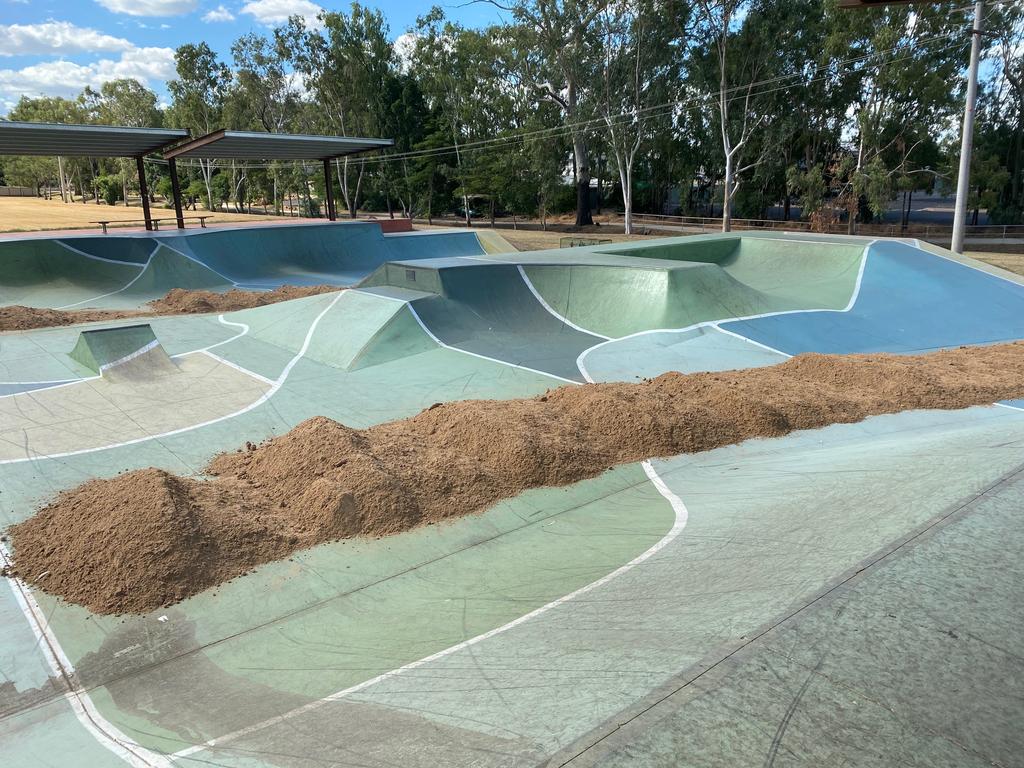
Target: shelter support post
332 214
144 192
172 166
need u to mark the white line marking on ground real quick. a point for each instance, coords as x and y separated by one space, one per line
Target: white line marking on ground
131 356
278 382
715 323
1011 407
681 516
236 366
124 287
482 357
550 309
751 341
88 255
105 732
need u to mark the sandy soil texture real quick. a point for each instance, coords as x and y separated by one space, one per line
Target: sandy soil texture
146 539
177 302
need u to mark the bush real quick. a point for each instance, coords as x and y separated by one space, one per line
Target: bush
110 189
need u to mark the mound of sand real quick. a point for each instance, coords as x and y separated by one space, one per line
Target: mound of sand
19 318
146 539
177 302
180 301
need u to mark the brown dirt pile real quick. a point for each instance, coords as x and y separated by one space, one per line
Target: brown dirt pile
180 301
146 539
177 302
19 318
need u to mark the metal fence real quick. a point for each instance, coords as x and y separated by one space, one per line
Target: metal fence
17 192
925 231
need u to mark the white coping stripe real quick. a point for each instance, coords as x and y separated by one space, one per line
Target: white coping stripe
72 248
716 323
144 266
681 516
129 357
550 309
105 732
1011 407
474 354
277 384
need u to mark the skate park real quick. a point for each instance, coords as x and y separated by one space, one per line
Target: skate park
628 617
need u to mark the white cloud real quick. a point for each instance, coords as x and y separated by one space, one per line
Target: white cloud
150 66
220 13
56 37
275 12
150 7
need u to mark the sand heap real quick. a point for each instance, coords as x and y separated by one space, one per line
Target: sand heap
177 302
19 318
180 301
146 539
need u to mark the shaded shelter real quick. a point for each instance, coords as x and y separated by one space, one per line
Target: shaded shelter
57 139
249 145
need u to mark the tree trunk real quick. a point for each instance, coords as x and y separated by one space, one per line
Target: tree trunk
579 148
727 190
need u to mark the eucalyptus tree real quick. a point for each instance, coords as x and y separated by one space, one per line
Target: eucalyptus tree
560 58
198 98
346 65
642 52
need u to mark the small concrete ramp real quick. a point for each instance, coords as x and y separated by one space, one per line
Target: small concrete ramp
127 351
489 310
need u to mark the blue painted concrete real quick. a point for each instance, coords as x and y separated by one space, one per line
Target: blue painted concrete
909 301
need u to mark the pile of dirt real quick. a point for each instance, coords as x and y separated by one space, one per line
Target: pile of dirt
178 301
19 318
146 539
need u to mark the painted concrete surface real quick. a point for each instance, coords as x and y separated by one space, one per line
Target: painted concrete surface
532 632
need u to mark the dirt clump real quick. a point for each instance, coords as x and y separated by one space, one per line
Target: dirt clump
178 301
146 538
20 318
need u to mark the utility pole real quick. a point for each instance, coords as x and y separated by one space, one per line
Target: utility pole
963 183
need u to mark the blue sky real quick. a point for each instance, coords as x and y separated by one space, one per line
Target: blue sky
56 47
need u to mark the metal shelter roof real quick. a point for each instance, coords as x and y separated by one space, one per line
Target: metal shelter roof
248 145
51 139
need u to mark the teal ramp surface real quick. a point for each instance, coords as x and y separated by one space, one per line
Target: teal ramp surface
489 310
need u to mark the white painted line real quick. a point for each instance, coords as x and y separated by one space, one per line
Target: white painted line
681 516
197 261
751 341
716 323
129 357
101 729
482 357
124 287
1011 407
550 309
88 255
278 383
223 321
237 367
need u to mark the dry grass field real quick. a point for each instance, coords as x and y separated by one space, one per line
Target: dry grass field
25 214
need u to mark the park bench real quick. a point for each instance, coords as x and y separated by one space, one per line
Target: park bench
156 222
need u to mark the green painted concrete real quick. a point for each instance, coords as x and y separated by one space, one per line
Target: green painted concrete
99 347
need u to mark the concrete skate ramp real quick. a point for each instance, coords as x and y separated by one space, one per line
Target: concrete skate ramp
620 300
488 309
338 254
909 301
45 273
800 271
102 348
